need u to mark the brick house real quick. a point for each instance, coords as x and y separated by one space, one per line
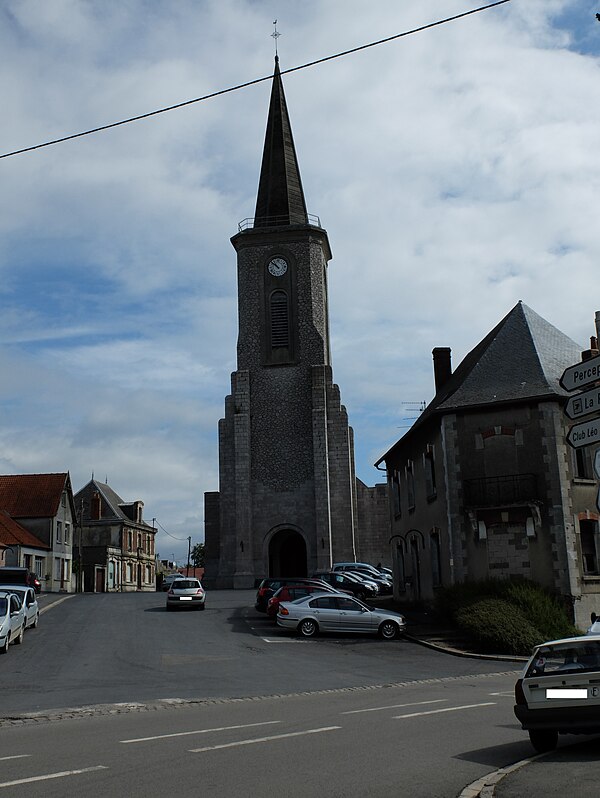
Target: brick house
114 543
484 483
43 515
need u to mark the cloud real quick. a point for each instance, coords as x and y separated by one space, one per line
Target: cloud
455 170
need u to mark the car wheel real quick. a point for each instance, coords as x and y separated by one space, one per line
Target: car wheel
35 621
169 607
19 637
308 627
543 740
202 607
388 630
4 649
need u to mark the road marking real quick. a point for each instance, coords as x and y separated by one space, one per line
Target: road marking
263 739
55 603
199 731
505 693
394 706
446 709
52 776
16 756
282 640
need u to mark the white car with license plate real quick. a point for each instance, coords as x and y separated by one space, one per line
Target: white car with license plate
559 691
12 621
187 592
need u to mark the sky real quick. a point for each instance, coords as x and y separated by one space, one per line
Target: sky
456 171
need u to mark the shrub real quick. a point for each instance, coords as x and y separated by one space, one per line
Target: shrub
499 626
541 609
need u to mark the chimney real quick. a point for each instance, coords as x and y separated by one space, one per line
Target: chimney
96 506
442 366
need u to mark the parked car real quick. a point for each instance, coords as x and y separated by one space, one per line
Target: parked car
186 592
347 581
29 601
293 592
14 575
169 579
270 584
364 579
384 584
12 621
559 691
334 612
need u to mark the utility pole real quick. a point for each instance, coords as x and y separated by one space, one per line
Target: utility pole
189 551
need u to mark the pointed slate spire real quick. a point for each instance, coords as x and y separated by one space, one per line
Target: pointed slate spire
280 198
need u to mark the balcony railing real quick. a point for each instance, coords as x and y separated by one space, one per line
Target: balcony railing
500 491
278 221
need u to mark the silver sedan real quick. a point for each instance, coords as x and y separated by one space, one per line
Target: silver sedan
329 612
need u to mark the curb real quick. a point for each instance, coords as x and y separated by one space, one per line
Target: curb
457 652
486 785
56 603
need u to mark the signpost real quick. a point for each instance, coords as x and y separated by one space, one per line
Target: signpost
582 404
584 434
581 374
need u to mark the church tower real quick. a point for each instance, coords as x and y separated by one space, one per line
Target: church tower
287 503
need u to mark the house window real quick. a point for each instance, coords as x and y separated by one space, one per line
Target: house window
429 468
129 572
59 531
395 484
588 533
57 568
130 540
148 574
410 484
39 567
582 463
27 558
67 533
436 559
280 332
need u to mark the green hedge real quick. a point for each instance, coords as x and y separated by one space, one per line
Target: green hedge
505 617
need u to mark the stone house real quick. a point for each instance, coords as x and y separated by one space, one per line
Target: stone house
114 545
42 506
484 484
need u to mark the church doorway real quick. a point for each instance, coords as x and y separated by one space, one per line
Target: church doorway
287 554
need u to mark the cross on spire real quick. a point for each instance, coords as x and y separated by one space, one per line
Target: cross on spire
275 35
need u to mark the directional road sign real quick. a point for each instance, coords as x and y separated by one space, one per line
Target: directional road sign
581 374
584 403
585 434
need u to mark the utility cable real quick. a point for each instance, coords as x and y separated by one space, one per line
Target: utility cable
253 82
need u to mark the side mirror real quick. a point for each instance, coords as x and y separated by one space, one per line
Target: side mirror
594 617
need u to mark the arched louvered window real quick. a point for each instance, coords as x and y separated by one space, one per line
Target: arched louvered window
280 327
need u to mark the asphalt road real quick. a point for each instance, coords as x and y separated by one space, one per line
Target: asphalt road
271 714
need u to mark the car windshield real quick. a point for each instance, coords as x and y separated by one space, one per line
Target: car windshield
3 605
569 657
185 584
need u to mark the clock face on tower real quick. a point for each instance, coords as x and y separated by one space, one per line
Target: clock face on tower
277 267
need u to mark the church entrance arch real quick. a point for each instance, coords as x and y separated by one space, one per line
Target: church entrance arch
287 554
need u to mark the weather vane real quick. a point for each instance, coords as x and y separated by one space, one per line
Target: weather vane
275 34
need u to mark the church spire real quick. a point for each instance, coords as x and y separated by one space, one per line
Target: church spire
280 198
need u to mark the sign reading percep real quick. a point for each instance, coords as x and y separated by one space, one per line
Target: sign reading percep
581 374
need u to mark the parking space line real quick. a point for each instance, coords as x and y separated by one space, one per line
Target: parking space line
394 706
263 739
47 776
446 709
200 731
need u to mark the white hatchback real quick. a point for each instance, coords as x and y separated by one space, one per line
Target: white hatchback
12 621
28 600
559 691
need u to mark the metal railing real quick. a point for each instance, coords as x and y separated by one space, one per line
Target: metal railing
500 491
278 221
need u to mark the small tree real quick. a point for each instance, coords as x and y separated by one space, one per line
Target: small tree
197 555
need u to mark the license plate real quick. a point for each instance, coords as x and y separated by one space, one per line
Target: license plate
568 692
185 598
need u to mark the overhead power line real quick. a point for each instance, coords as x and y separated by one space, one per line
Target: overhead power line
254 82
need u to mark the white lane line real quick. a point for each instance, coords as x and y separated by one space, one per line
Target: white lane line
394 706
505 693
55 603
281 640
52 776
263 739
446 709
16 756
199 731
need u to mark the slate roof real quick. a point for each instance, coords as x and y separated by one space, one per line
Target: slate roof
32 495
12 533
280 199
111 502
521 359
